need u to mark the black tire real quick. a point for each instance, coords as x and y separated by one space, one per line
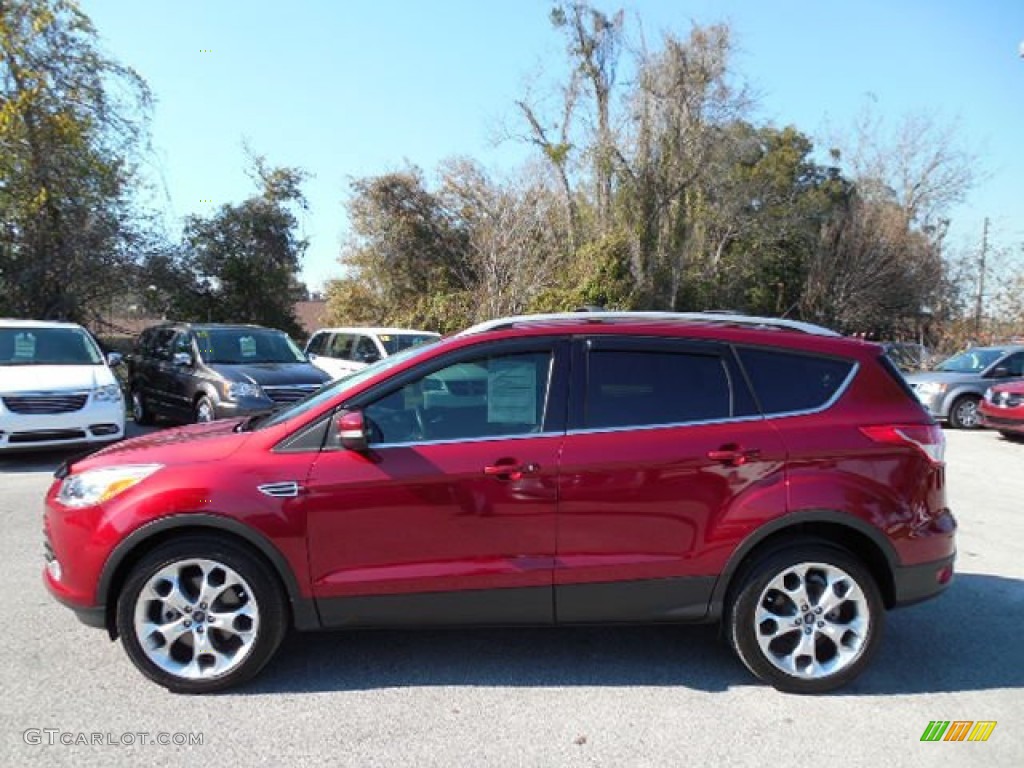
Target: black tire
753 592
204 411
963 414
245 619
140 411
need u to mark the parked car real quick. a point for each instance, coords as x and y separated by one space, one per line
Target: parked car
554 469
200 372
341 351
1003 409
56 388
953 390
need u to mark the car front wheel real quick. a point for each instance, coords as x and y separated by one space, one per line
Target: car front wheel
200 614
806 619
204 410
964 413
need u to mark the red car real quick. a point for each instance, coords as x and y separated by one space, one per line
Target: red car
566 469
1003 409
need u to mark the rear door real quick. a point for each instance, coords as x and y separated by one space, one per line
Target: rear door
665 442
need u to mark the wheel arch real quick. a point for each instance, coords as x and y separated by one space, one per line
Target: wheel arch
824 526
144 539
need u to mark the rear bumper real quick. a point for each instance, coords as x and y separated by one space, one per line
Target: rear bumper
916 583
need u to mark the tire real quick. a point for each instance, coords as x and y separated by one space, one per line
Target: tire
140 412
781 607
964 413
207 591
204 411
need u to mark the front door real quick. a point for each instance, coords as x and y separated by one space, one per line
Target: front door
450 517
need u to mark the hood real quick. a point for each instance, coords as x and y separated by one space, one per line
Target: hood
213 441
944 377
52 378
271 374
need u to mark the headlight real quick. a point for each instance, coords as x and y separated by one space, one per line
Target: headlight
111 393
239 389
988 395
930 388
98 485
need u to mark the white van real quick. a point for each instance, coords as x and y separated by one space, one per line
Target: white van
56 389
341 351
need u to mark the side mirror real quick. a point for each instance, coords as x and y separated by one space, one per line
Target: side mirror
115 359
182 359
369 357
352 432
1000 372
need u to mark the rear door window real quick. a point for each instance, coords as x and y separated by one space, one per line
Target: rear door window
791 382
659 385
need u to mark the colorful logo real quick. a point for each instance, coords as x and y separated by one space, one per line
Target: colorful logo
958 730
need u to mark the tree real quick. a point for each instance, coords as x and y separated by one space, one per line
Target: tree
71 121
241 263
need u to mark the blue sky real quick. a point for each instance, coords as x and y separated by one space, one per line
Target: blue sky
347 89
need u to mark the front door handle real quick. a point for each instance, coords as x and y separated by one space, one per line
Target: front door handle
510 470
733 455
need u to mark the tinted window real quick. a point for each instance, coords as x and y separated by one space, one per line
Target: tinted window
47 346
490 397
316 344
1014 364
366 351
786 382
162 340
182 343
341 346
395 342
638 388
971 361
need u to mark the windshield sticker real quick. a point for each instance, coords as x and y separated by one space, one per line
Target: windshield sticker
247 346
24 346
512 392
385 338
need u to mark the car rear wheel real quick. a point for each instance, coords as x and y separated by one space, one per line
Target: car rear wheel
204 410
964 413
200 614
806 619
140 413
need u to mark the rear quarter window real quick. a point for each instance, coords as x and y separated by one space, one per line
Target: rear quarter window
791 382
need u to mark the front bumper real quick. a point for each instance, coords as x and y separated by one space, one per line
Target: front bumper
95 424
915 583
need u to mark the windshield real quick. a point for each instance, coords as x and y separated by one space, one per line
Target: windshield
330 391
396 342
246 346
971 361
48 346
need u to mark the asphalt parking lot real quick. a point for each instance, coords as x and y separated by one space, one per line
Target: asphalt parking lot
637 696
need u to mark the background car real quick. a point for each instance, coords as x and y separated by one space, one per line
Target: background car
953 390
341 351
56 388
1003 409
201 372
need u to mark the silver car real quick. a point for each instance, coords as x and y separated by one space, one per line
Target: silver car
953 389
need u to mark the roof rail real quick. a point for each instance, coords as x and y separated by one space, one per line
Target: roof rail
720 318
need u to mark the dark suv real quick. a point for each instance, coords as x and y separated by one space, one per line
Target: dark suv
189 372
564 469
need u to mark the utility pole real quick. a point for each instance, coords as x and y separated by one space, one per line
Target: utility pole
981 282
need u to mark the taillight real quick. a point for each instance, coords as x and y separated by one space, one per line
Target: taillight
927 438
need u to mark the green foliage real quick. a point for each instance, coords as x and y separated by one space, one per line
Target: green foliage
71 121
239 264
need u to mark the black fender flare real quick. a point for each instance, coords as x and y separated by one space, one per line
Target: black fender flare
304 613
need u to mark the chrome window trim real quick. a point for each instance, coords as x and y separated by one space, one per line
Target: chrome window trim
461 441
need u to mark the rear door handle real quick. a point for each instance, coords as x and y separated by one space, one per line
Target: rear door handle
511 470
733 455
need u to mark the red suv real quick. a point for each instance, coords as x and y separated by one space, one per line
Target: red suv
559 469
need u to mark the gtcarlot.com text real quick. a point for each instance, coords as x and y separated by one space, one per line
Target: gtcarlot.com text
52 737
